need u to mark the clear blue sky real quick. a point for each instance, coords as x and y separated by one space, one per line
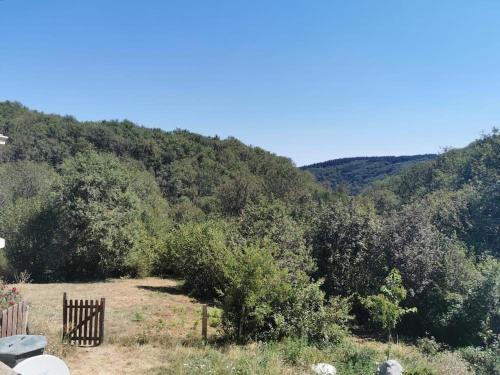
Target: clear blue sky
312 80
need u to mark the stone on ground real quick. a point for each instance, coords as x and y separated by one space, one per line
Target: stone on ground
324 369
390 367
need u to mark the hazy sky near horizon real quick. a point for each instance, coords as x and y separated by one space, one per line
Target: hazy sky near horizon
312 80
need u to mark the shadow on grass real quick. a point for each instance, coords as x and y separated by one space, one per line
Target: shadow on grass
176 290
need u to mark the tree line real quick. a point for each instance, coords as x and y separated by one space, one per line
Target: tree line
280 254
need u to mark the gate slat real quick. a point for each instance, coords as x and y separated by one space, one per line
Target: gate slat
91 320
13 311
26 312
86 326
80 320
96 321
77 313
70 313
10 320
4 323
19 318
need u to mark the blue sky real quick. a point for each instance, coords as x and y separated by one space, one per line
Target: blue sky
312 80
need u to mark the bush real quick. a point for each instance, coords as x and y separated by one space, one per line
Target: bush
322 322
477 321
384 308
200 254
293 350
255 292
353 359
428 346
262 302
447 362
484 361
8 296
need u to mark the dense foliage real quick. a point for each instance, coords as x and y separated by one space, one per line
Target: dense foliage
442 231
194 172
356 174
281 255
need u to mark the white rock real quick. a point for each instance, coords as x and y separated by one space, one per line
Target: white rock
390 367
324 369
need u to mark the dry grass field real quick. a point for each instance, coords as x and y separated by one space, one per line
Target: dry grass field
142 315
151 327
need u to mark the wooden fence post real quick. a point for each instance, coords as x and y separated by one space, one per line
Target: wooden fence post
65 316
101 321
204 322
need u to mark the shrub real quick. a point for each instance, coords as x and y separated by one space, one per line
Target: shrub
214 317
199 253
255 293
353 359
384 308
477 319
322 322
428 346
262 302
450 363
484 361
293 350
8 296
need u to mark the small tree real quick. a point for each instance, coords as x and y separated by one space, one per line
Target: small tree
384 308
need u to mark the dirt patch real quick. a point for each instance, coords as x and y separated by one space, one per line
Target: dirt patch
144 318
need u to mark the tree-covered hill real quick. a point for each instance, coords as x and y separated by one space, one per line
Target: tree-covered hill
355 174
279 255
462 186
196 172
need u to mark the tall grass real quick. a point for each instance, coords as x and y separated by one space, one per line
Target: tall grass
296 357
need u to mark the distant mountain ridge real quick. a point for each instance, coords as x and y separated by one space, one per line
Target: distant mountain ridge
356 173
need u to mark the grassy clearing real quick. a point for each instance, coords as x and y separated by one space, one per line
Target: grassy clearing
152 328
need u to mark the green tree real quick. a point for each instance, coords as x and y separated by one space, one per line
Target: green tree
270 221
238 191
25 179
474 319
101 216
344 239
28 225
385 308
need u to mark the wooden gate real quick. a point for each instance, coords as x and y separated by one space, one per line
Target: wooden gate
15 320
83 321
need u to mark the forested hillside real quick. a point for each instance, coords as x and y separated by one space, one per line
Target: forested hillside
282 257
356 174
461 186
200 173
